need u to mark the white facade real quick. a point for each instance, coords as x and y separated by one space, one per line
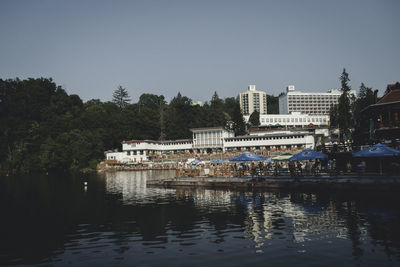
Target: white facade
206 140
308 103
142 150
252 100
210 138
273 140
295 119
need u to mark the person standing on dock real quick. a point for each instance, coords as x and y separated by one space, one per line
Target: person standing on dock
299 168
240 169
292 168
253 169
308 168
348 167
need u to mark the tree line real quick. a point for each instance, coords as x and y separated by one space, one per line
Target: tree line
43 128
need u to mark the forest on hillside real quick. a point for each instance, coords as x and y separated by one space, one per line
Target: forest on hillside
43 128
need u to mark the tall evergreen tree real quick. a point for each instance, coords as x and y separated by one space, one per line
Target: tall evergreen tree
216 112
344 106
121 97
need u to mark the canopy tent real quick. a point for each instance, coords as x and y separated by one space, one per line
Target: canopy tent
247 156
282 157
378 151
308 154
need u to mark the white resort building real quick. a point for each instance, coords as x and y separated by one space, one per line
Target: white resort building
308 103
213 140
284 140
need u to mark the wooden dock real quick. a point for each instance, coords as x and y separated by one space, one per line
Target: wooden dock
284 182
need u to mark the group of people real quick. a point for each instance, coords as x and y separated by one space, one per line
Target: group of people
277 168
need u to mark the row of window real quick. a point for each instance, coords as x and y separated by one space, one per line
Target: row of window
264 138
307 108
134 152
165 144
314 96
207 135
293 120
326 102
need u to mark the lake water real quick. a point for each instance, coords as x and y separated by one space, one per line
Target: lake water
114 220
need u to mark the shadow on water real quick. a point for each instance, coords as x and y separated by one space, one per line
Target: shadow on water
113 219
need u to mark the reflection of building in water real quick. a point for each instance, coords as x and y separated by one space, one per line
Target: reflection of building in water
263 215
306 219
212 197
220 200
132 185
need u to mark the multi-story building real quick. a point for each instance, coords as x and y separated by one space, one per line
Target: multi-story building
253 100
295 119
308 103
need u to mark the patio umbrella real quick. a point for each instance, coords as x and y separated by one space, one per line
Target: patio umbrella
247 156
218 161
308 154
378 151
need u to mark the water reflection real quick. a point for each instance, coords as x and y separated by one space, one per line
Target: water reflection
114 219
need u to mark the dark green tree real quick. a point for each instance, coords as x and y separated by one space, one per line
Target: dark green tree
254 119
272 104
229 107
121 97
216 114
333 116
238 123
344 107
366 97
179 118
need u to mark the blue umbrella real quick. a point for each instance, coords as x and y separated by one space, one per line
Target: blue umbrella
308 154
378 150
218 161
268 159
247 156
195 161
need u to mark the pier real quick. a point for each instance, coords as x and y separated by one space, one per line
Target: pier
322 182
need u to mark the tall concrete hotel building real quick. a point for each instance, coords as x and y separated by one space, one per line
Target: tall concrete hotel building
308 103
252 100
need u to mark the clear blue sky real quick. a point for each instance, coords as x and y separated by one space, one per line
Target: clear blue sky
198 47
